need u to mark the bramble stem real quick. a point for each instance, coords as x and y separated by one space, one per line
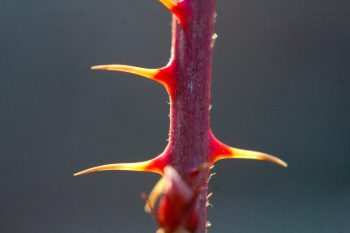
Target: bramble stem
190 100
181 193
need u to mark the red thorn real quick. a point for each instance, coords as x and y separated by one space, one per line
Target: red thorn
180 10
166 77
162 75
144 72
147 73
221 151
155 165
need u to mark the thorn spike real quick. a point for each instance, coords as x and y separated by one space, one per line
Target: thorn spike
221 151
180 10
248 154
146 166
147 73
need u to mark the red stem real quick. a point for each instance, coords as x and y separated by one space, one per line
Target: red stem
192 147
191 61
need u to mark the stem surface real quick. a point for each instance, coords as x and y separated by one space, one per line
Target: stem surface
190 97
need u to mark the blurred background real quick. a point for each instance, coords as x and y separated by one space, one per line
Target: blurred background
280 85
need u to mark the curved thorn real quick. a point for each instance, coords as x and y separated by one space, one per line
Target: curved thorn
147 73
146 166
179 9
221 151
248 154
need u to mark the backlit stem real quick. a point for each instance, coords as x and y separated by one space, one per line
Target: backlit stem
190 100
184 165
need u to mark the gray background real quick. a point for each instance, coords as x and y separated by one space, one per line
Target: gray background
280 85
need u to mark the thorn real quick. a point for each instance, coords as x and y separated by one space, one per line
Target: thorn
179 9
147 73
248 154
221 151
162 75
146 166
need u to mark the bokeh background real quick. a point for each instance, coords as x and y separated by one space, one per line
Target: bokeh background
280 85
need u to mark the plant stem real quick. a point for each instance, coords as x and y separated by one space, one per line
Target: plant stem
192 147
190 97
